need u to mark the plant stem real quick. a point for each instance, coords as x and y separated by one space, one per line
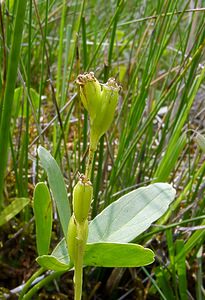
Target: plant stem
29 282
78 276
42 283
98 177
81 240
89 163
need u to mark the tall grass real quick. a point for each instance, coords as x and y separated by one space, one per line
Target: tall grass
155 49
7 96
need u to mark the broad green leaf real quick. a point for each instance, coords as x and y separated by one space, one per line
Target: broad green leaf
119 223
50 262
61 251
43 217
13 209
99 254
132 214
117 255
58 260
57 186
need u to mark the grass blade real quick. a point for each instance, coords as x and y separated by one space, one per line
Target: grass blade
13 209
181 270
9 90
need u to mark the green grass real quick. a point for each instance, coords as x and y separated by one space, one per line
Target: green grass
8 93
156 52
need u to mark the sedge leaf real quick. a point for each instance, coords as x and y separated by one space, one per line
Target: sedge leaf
13 209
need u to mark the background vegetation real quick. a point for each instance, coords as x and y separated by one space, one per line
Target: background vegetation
155 50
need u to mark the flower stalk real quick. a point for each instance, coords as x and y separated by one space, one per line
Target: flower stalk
89 163
100 100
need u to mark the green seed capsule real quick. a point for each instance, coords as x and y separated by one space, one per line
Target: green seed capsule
102 122
110 96
76 237
82 196
71 238
90 93
100 102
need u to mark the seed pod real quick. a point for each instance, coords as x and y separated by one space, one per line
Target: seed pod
76 237
100 103
71 238
90 93
82 233
82 196
102 122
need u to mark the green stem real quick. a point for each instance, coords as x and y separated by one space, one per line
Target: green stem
98 178
89 163
82 237
60 54
78 277
9 90
41 284
29 282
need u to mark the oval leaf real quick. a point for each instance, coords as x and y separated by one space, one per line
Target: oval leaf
99 254
13 209
61 252
57 186
43 217
132 214
52 263
117 255
58 260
